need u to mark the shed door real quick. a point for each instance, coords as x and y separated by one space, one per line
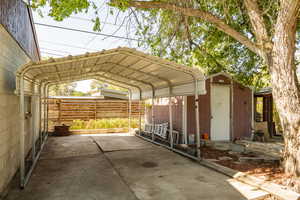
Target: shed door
220 110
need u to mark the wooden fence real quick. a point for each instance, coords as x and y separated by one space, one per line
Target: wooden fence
65 110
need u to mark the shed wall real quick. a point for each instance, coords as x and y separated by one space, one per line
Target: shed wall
242 109
204 112
161 112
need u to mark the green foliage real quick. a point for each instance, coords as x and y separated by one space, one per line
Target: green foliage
98 85
193 42
61 9
97 25
66 89
190 40
104 123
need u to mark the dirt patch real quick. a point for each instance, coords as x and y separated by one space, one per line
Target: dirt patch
149 164
267 171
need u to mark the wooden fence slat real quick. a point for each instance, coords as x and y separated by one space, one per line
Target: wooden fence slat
64 110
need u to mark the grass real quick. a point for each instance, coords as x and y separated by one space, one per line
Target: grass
104 123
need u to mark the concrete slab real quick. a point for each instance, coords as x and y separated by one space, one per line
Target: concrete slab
159 174
144 172
78 178
69 146
250 192
121 143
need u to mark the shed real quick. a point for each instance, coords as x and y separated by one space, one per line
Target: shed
226 110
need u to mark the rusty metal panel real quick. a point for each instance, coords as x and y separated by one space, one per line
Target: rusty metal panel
16 19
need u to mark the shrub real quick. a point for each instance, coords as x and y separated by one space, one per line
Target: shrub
104 123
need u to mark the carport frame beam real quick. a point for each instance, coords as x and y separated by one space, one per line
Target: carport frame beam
197 119
171 122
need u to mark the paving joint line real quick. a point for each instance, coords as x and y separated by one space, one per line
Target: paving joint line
115 169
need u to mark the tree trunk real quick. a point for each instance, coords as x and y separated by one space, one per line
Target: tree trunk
286 87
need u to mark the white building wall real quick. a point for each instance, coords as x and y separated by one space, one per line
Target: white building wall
11 58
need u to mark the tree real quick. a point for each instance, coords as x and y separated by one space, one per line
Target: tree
62 89
97 85
265 30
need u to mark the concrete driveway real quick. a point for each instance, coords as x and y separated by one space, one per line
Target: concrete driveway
122 167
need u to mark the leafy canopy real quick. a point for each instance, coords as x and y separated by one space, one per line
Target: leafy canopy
188 40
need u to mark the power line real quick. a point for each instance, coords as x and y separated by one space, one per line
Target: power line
102 22
83 31
68 45
59 51
53 54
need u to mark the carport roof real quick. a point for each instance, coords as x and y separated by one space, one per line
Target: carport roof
143 74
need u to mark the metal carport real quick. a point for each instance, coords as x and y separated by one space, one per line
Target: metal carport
145 77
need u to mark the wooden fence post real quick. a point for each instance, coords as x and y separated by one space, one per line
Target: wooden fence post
59 111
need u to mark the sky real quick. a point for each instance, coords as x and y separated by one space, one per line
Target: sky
57 42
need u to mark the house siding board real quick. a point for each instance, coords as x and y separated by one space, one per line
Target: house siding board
16 19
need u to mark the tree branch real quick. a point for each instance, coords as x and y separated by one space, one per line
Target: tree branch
192 12
258 24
